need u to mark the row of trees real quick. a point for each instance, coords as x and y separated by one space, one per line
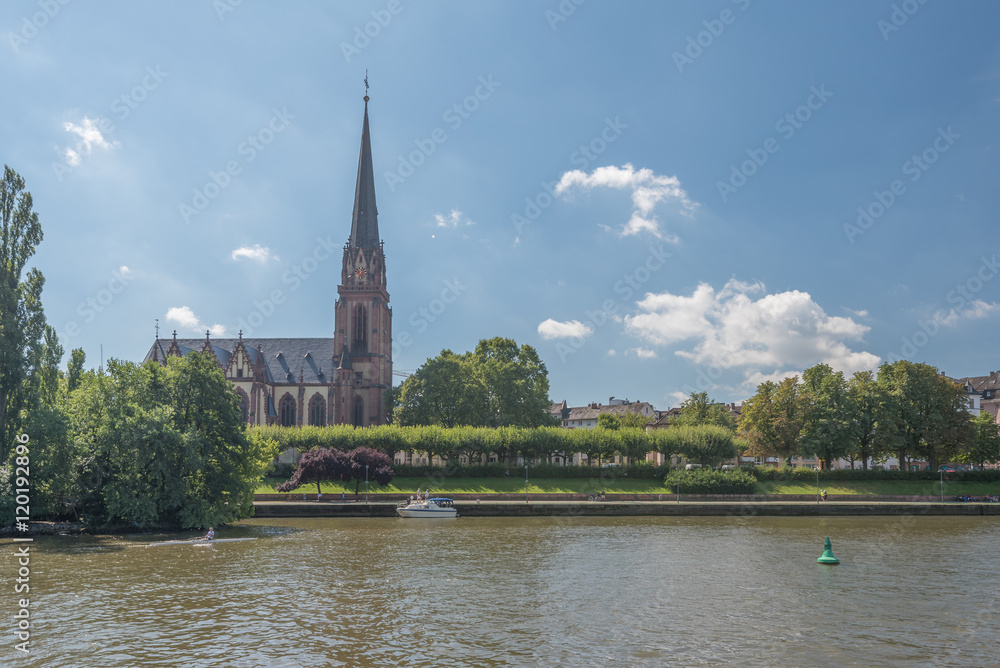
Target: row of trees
908 410
706 444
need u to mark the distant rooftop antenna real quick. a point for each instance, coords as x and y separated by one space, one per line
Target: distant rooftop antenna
157 328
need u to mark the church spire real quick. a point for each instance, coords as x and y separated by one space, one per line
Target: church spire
364 222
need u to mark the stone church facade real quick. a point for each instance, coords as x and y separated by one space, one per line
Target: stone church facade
319 381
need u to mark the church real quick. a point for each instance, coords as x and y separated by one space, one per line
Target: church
319 381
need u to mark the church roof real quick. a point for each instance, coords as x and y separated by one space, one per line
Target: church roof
284 359
364 221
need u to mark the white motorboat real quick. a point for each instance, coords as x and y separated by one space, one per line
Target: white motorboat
437 508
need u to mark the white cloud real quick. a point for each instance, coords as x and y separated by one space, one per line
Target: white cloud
648 190
124 271
89 137
185 318
257 253
730 328
642 353
551 329
454 219
976 309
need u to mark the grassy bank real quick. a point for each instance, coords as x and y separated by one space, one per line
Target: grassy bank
515 485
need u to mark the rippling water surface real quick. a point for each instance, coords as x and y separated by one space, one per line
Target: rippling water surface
523 592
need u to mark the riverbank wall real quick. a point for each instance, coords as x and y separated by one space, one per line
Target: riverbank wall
626 509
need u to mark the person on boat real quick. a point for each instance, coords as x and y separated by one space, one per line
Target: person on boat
210 535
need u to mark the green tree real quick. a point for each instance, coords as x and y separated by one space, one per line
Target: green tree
985 442
22 321
707 444
499 384
165 444
609 421
923 414
698 410
771 421
866 398
74 369
443 391
829 414
516 384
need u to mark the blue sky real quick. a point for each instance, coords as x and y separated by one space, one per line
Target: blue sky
659 197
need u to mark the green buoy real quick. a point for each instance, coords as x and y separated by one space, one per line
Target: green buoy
828 557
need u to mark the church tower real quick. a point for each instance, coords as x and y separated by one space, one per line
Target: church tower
363 319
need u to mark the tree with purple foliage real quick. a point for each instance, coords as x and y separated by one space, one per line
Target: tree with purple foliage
379 467
320 465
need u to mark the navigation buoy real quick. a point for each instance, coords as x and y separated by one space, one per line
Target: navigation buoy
827 557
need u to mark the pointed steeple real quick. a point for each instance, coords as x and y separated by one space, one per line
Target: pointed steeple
364 222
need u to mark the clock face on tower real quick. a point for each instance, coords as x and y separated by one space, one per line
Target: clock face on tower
359 272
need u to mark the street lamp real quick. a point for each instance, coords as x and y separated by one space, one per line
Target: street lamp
817 484
526 482
366 483
942 485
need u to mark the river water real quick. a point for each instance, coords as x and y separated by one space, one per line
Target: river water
555 591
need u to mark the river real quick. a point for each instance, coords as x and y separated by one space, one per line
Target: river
552 591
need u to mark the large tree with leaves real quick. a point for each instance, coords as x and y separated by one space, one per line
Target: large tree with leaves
772 419
165 444
698 410
828 427
444 391
985 441
499 384
923 414
22 321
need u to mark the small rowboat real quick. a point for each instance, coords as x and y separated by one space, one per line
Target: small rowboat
200 541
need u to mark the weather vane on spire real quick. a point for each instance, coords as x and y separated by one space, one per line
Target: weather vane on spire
366 82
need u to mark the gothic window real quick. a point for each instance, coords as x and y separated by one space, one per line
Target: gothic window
286 411
317 411
359 412
244 404
360 344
